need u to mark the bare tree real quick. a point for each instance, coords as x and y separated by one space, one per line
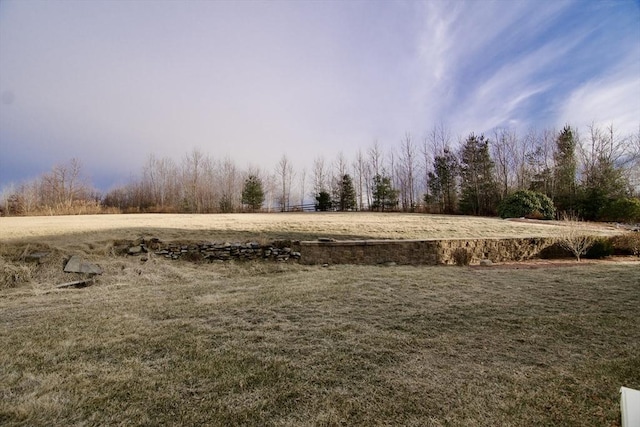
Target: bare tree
633 165
270 187
376 159
64 184
504 154
575 238
229 185
605 152
161 176
303 178
407 171
197 182
540 161
319 176
284 172
362 178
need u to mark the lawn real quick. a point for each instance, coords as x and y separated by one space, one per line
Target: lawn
265 344
296 226
162 343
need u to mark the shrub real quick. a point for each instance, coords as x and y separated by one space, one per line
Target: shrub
627 244
461 257
601 248
525 203
574 239
622 210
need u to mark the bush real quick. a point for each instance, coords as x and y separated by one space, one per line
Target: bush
622 210
601 248
461 257
627 244
529 204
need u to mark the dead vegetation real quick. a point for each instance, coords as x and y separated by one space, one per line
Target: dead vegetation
295 226
271 344
157 342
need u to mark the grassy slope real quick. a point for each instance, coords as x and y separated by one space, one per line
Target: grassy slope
242 227
175 343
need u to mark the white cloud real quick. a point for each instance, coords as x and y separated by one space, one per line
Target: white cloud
614 99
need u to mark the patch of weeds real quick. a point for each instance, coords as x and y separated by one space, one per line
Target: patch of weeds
12 275
462 257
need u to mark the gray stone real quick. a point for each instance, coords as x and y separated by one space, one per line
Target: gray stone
486 262
135 250
78 265
37 257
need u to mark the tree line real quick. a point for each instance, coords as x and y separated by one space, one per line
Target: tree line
585 175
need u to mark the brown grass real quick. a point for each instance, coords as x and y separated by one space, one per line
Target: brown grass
176 343
102 229
161 343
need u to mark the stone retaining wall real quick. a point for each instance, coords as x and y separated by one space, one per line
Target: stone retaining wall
367 252
425 252
281 251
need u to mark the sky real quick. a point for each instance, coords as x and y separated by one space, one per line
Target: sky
111 82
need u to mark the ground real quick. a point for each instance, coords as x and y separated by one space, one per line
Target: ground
160 342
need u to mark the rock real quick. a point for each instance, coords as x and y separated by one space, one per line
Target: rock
326 239
135 250
120 249
78 265
486 262
37 257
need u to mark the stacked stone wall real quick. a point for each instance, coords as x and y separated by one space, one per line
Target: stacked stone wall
366 252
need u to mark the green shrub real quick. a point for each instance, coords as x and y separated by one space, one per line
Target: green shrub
601 248
624 209
528 204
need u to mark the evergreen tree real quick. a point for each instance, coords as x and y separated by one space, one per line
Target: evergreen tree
345 199
565 166
385 197
443 182
253 193
323 201
601 187
479 190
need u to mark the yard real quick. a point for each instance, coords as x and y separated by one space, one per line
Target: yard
178 343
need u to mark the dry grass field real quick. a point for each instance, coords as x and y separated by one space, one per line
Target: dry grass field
297 226
264 344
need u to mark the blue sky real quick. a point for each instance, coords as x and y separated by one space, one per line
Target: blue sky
110 82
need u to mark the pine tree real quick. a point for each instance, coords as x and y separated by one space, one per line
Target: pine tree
443 181
323 201
564 173
253 193
345 194
385 197
478 184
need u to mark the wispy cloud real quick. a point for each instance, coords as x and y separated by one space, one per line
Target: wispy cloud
255 80
612 99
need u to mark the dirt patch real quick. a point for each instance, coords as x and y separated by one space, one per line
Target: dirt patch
560 263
